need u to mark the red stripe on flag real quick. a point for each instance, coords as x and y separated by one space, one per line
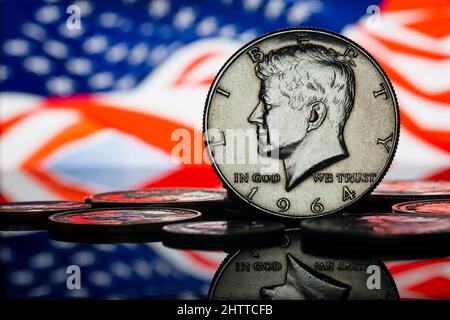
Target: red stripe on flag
198 258
392 5
438 138
182 79
398 47
67 191
435 288
440 175
188 176
406 266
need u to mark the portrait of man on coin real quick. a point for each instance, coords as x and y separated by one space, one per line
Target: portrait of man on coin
306 96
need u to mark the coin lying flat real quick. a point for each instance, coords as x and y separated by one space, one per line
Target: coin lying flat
286 273
36 210
222 235
389 193
438 207
119 221
382 236
197 199
301 123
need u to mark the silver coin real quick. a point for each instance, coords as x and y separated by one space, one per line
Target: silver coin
286 273
301 123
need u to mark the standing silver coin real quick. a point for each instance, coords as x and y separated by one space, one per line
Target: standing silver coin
286 273
301 123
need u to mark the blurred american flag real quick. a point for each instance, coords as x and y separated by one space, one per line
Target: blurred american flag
76 103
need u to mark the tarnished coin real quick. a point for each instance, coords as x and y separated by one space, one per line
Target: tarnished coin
198 199
36 210
286 273
222 235
389 193
426 207
301 123
384 236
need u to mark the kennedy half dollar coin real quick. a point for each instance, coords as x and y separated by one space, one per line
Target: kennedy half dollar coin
301 123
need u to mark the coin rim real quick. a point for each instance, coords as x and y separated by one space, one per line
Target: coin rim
396 208
53 203
393 194
311 226
364 245
58 226
272 224
32 216
199 241
222 70
96 202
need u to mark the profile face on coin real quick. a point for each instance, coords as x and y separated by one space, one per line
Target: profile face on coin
303 114
301 123
286 273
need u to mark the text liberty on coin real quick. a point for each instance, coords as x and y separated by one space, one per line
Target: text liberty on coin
301 123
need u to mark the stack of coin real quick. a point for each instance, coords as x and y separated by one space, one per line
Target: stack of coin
136 215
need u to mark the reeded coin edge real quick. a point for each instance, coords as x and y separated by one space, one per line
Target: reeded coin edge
70 227
91 198
397 208
313 226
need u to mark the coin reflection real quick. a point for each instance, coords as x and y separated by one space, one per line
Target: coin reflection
286 273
